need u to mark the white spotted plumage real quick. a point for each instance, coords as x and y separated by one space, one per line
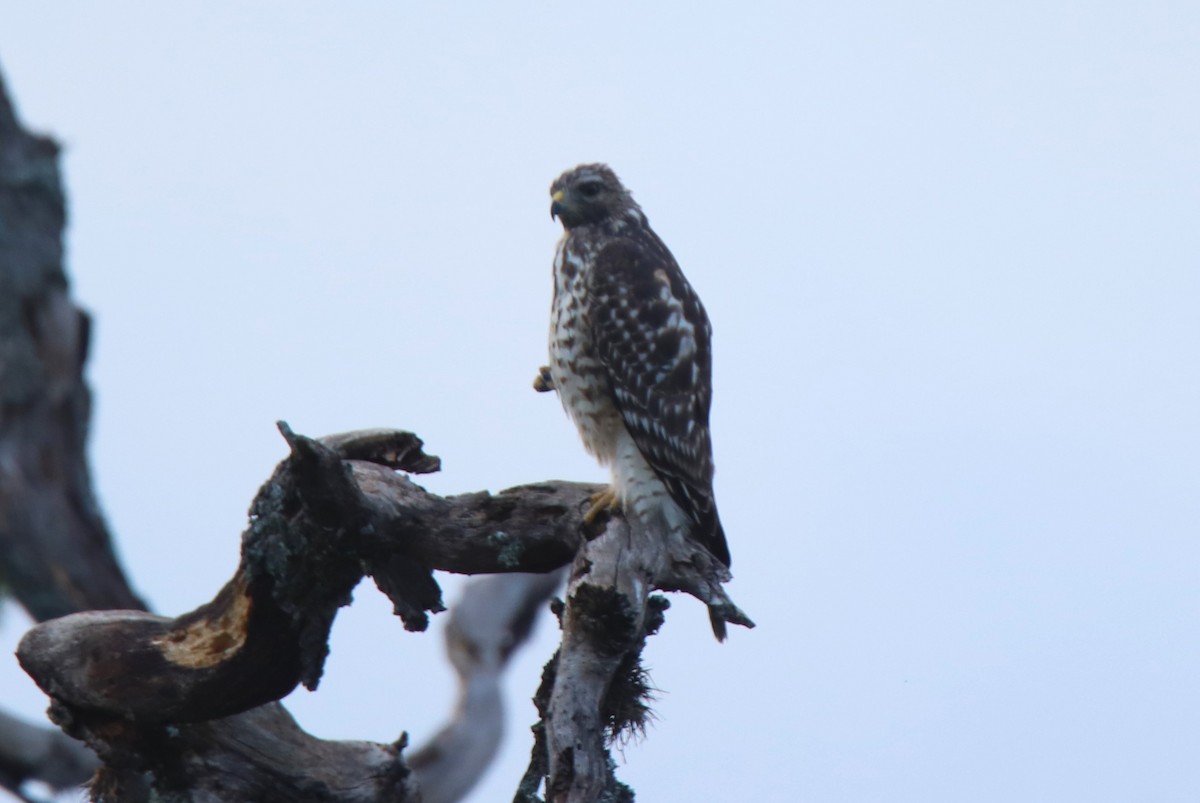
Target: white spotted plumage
587 396
630 356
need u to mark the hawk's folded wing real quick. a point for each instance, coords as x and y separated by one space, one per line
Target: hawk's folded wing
653 338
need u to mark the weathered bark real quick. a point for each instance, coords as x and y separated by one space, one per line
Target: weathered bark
262 755
320 523
176 704
599 690
317 526
124 681
55 550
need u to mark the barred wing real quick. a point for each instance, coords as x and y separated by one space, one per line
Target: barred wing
653 337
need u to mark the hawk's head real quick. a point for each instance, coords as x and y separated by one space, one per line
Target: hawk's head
592 194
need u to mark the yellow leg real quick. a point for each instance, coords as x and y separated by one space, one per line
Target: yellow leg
602 502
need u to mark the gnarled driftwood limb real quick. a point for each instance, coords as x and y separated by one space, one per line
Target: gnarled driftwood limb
315 529
319 524
262 755
126 680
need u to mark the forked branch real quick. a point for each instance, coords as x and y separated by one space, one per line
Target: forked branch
333 511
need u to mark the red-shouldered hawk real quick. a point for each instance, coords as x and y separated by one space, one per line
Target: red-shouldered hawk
631 357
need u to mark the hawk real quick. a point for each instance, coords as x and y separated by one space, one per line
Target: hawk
631 358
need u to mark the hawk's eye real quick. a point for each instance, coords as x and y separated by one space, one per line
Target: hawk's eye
590 189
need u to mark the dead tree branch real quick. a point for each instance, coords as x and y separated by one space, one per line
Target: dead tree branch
55 551
185 708
120 678
494 615
125 681
56 554
314 531
600 691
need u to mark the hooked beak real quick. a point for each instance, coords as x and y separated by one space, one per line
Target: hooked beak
556 208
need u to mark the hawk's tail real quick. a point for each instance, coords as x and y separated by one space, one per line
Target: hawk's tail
701 508
710 533
718 624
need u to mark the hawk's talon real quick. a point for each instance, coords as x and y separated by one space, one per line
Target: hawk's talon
603 502
543 382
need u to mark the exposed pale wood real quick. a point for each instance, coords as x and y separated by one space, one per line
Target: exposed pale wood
598 694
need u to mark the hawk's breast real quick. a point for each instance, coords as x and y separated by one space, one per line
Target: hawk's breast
578 375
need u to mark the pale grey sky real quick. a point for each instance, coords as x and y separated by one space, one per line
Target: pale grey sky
952 257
